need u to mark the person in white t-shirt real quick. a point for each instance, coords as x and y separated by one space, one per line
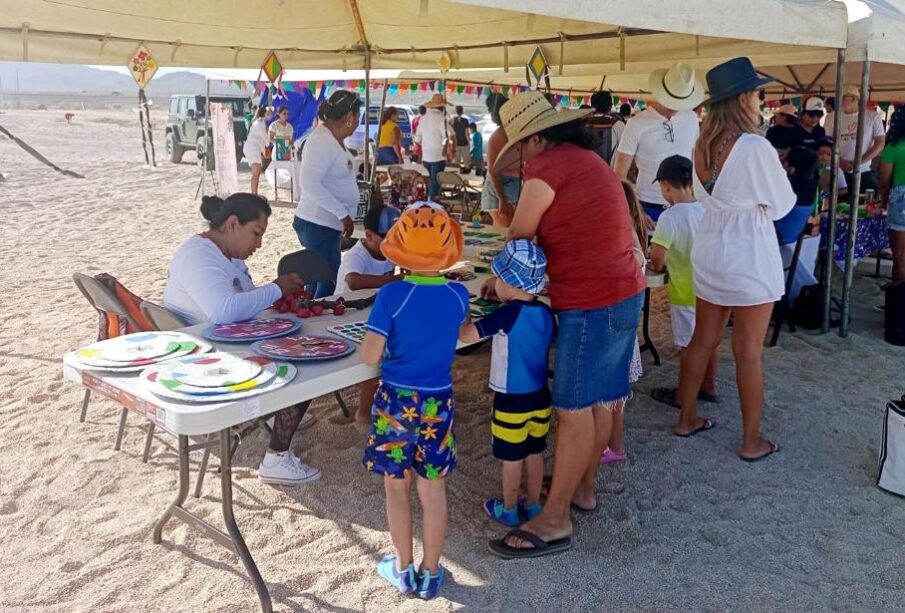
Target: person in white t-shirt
281 129
671 251
667 127
365 267
432 134
209 282
873 141
255 144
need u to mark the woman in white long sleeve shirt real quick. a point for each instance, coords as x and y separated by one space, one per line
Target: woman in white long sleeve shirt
736 260
209 282
329 190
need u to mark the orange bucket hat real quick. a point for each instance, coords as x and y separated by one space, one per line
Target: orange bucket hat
424 238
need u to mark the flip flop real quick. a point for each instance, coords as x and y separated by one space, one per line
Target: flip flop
774 448
541 547
582 510
669 395
704 427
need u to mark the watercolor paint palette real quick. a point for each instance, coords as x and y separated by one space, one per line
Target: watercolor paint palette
353 331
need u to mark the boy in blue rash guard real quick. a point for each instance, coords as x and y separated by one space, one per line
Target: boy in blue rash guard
412 332
522 330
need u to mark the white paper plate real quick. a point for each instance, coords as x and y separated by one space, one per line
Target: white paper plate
152 377
199 347
224 371
133 349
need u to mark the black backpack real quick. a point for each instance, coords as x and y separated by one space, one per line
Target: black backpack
895 313
602 130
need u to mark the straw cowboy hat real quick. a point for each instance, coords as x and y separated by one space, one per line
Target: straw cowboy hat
527 114
437 101
676 88
787 109
424 239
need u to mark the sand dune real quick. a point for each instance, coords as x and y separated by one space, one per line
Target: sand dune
684 525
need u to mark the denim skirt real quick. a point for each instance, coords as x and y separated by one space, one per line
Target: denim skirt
594 353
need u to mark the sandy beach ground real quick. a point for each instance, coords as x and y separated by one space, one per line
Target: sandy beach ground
683 525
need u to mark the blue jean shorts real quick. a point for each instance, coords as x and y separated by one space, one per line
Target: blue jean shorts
512 189
895 219
594 353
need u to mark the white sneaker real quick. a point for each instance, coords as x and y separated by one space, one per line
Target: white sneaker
307 421
286 469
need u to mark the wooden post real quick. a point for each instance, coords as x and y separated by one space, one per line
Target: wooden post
141 122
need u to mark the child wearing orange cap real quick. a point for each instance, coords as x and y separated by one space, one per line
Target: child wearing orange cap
412 332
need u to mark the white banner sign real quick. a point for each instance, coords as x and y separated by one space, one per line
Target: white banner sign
224 149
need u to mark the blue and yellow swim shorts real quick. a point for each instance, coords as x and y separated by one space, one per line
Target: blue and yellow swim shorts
411 429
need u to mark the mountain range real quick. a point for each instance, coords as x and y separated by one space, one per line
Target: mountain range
37 78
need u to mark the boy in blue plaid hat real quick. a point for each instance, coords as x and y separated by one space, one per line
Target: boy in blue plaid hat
522 330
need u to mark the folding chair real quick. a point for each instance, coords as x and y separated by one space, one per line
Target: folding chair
454 191
784 305
312 268
115 320
161 319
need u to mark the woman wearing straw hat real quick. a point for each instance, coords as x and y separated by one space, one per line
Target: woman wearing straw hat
736 260
432 134
575 207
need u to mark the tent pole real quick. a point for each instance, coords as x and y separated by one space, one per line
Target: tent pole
829 256
367 112
383 102
856 201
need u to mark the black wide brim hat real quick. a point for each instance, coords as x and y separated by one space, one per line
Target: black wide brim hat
732 78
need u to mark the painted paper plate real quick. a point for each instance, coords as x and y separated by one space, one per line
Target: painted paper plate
154 380
132 348
302 347
200 347
220 371
142 348
251 330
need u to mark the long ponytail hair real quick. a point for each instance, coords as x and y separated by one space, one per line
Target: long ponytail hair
636 211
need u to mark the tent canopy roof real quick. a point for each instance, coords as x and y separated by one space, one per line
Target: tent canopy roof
409 34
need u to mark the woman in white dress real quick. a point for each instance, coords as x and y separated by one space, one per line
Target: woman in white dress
255 144
737 265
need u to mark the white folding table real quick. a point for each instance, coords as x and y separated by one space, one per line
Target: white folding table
184 419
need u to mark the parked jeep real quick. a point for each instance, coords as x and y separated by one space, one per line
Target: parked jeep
185 126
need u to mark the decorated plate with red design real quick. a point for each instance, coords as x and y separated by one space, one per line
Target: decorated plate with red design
303 348
251 330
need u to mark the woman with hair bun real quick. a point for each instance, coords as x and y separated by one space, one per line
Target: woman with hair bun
329 189
209 282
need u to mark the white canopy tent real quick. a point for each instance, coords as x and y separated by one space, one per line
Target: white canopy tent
410 34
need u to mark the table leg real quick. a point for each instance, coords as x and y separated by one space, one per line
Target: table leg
232 539
122 429
226 487
85 405
645 329
183 488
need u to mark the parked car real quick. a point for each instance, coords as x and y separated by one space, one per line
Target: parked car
406 114
185 126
